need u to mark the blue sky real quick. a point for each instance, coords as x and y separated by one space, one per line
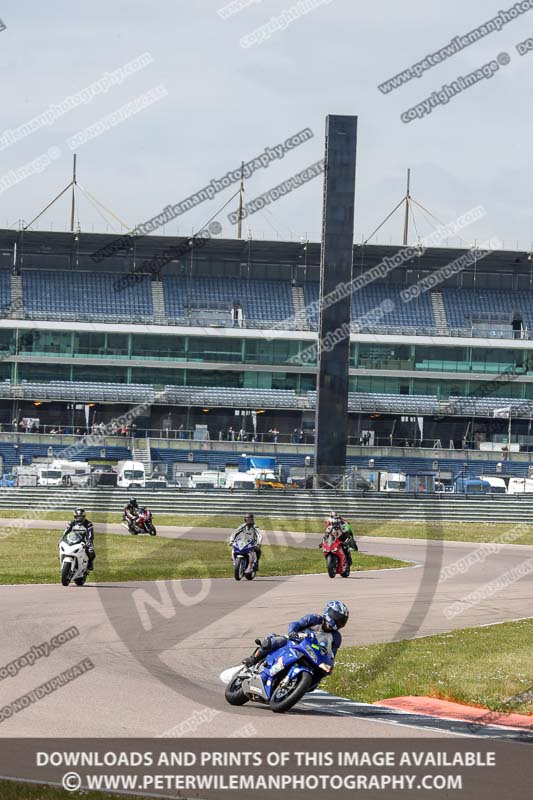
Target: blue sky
226 103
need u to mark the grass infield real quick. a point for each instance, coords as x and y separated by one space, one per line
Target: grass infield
483 667
128 558
13 790
406 529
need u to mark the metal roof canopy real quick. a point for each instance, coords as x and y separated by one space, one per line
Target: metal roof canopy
254 252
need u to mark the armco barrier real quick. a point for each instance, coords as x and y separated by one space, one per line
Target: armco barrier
451 508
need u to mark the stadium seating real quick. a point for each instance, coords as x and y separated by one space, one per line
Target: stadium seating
262 301
85 391
417 314
92 296
485 406
11 454
391 403
229 397
219 459
84 295
462 305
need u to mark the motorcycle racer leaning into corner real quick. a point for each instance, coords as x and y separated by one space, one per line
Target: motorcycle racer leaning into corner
337 525
81 521
130 511
249 527
334 617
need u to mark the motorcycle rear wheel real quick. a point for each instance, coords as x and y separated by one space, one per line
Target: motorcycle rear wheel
250 575
332 561
234 694
80 581
346 573
285 697
66 571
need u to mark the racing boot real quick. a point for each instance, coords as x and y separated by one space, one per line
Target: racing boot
258 654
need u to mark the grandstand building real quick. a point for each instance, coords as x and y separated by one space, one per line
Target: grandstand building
226 335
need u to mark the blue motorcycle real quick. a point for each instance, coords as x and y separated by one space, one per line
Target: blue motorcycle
285 674
244 557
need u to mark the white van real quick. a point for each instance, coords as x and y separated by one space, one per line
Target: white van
392 482
520 486
49 475
237 481
131 475
73 473
497 485
208 479
30 475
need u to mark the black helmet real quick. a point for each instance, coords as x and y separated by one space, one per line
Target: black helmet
249 519
336 614
79 514
133 501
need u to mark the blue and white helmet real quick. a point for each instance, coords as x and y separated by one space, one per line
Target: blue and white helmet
336 614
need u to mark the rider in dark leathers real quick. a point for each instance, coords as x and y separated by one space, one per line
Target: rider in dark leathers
81 521
337 526
250 528
335 616
131 511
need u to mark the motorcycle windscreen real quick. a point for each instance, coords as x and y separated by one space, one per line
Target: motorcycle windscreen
74 537
242 540
325 641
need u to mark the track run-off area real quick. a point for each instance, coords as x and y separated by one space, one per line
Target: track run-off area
159 647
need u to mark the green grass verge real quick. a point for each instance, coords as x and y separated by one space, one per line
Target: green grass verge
128 558
13 790
447 531
477 666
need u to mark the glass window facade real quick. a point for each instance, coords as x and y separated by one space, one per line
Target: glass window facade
158 347
263 351
442 359
380 356
269 356
497 360
45 342
209 348
7 341
87 343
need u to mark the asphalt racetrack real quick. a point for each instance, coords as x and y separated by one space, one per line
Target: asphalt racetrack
159 648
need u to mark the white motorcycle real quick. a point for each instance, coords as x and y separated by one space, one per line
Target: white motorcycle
73 557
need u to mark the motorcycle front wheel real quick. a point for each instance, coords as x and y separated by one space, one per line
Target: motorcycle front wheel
331 561
66 571
286 695
240 566
151 530
234 693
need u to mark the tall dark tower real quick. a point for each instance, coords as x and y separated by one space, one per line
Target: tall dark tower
335 312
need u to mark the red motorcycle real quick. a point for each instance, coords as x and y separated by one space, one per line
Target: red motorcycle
335 556
142 523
